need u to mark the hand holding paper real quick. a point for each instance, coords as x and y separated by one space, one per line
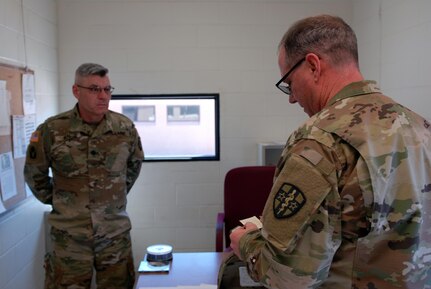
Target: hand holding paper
250 224
253 220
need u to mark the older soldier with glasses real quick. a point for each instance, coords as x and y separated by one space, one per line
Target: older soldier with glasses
350 206
95 156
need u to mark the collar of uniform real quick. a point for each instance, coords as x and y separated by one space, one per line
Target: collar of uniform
108 124
78 124
355 89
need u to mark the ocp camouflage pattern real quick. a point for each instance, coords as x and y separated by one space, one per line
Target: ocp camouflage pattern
364 166
93 169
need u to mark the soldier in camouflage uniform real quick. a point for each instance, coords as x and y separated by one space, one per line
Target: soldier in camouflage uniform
351 200
95 156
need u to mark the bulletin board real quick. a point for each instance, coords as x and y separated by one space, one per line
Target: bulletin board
13 77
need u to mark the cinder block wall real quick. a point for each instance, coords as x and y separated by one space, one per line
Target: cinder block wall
229 47
22 241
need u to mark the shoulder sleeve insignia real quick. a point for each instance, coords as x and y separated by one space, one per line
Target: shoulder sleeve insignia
34 136
32 152
288 201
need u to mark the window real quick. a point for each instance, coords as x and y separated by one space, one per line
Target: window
139 113
174 127
183 113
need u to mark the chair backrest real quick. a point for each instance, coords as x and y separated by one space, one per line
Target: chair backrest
245 192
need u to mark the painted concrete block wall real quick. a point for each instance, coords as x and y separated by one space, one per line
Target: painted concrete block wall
22 238
229 47
395 40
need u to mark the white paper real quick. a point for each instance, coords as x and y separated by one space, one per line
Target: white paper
23 126
253 220
146 266
245 279
2 208
7 176
28 94
4 109
28 191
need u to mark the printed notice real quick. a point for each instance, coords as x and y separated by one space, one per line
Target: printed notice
4 109
7 176
28 94
23 127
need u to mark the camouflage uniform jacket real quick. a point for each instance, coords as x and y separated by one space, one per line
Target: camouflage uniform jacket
350 205
93 169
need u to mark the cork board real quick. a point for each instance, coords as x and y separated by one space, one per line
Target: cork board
13 77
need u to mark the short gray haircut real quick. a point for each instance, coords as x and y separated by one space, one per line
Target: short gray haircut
324 35
87 69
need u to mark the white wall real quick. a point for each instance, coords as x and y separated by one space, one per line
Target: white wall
395 42
161 46
22 242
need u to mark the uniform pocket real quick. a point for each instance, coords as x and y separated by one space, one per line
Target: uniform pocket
116 159
63 159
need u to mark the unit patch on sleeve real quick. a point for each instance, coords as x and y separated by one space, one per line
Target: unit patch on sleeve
34 136
288 201
32 152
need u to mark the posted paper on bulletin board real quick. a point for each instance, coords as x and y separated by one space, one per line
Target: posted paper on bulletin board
7 176
4 109
17 115
23 127
28 94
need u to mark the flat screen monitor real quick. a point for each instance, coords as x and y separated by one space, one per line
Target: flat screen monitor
174 127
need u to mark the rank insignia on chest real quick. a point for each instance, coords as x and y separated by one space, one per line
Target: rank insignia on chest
288 201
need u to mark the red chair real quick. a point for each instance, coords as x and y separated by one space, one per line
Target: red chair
245 192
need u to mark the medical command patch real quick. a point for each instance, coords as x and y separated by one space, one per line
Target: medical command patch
288 201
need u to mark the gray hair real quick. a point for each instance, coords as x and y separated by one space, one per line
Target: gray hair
324 35
88 69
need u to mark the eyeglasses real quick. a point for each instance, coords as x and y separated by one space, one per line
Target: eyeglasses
97 89
284 87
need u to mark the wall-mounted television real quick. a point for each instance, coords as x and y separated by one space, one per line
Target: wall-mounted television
174 127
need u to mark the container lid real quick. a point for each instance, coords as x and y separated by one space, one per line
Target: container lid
159 252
